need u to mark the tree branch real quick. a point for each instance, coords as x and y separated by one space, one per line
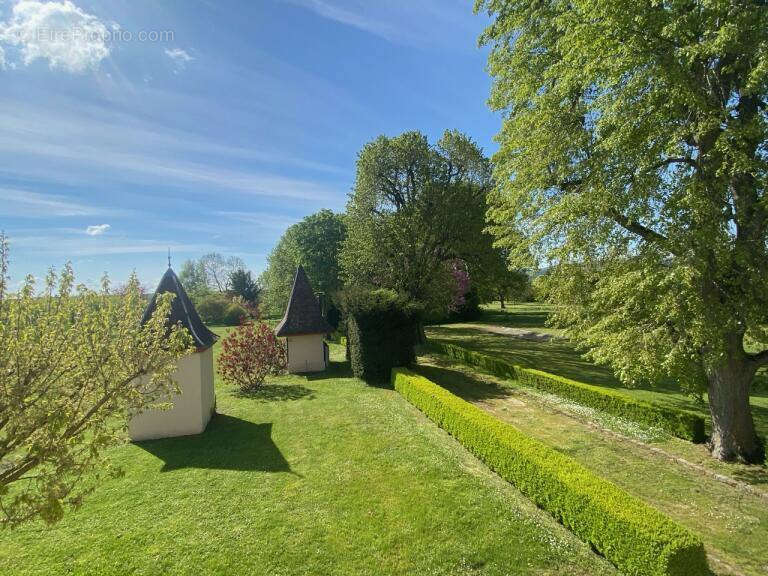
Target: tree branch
644 232
761 358
676 160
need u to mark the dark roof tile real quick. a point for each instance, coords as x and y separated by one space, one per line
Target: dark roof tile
303 314
182 310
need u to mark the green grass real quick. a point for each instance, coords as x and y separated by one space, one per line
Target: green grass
558 356
313 475
732 522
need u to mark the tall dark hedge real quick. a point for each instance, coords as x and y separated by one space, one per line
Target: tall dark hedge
382 330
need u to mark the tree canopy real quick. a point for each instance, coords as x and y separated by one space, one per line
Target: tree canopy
243 285
313 243
213 272
633 156
415 207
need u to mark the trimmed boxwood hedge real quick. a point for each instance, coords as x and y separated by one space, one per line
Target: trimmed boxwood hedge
638 539
382 331
681 423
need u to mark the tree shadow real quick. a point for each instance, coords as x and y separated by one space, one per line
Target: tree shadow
228 443
527 319
464 385
755 475
335 370
278 393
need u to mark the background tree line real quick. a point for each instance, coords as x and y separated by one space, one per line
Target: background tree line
416 210
222 288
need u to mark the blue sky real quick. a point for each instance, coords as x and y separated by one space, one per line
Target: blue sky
130 126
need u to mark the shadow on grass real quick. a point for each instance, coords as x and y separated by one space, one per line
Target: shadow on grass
555 356
527 319
755 475
228 443
277 393
334 370
464 385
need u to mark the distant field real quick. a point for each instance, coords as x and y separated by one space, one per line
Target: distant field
558 356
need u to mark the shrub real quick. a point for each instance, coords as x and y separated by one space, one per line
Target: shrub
638 539
681 423
234 314
218 308
249 353
382 330
211 308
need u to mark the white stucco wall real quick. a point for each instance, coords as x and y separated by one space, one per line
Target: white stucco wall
306 353
191 409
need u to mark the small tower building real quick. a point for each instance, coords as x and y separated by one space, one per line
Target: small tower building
193 408
304 328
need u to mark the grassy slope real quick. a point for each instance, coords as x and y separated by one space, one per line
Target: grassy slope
732 523
559 357
320 475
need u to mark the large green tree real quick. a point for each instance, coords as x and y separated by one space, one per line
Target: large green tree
415 207
69 360
313 243
633 155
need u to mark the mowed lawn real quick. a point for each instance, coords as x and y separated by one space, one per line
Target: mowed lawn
559 356
731 519
318 475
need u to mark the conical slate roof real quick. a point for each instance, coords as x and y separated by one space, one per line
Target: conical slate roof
182 310
303 314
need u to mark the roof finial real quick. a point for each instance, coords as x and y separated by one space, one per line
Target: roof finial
169 257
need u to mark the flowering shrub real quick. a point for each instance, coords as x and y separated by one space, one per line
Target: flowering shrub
461 285
250 352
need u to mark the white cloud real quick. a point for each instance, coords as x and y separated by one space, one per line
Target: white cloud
2 58
97 230
60 32
179 57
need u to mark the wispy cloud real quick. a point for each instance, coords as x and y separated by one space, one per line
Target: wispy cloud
70 246
67 37
26 204
179 57
97 230
133 153
274 222
425 23
352 15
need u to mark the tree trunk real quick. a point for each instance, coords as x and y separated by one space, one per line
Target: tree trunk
501 300
733 430
421 335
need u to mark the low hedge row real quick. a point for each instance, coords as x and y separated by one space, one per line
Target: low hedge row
681 423
638 539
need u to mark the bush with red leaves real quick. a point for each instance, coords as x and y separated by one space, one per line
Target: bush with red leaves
249 353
